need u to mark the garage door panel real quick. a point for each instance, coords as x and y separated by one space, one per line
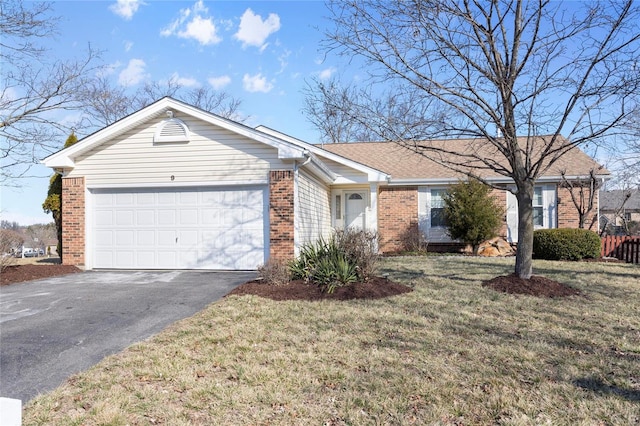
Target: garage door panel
146 238
124 217
167 238
166 198
104 218
188 217
124 259
167 258
188 238
145 217
145 259
145 199
124 199
188 198
125 238
189 228
166 217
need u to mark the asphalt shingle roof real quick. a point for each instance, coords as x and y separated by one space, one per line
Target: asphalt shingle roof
611 200
403 163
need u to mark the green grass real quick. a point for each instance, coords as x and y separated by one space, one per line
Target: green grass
449 353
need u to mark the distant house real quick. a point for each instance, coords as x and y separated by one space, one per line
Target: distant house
173 186
620 211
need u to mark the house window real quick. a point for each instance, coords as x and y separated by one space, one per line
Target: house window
538 207
627 217
437 208
338 207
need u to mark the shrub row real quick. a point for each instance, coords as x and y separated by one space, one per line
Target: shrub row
565 244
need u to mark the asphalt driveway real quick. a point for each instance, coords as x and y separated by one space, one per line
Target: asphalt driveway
53 328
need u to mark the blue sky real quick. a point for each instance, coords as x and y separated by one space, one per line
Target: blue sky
259 52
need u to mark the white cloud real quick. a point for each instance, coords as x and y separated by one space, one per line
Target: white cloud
185 81
133 74
219 82
194 24
126 8
283 60
256 83
202 30
326 74
254 31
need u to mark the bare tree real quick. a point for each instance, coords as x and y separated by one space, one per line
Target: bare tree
332 109
42 234
107 102
33 88
527 81
343 113
583 194
220 103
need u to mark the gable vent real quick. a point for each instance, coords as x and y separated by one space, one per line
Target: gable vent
171 130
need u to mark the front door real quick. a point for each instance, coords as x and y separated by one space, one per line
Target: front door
355 206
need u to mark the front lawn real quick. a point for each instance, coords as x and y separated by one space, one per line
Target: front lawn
451 352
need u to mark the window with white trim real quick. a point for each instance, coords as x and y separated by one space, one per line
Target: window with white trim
437 208
538 207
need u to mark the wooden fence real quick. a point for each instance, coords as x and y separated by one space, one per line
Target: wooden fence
623 248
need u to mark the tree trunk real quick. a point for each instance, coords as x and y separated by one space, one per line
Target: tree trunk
524 254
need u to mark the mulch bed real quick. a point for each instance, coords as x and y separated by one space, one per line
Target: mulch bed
20 273
375 288
535 286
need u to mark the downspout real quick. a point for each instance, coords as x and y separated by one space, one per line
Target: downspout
296 199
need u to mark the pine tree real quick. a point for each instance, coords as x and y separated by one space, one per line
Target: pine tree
53 203
471 214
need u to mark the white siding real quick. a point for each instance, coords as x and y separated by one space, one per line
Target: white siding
345 174
313 213
212 155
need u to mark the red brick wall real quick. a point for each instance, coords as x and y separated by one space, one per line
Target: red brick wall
73 226
500 195
397 216
281 214
568 216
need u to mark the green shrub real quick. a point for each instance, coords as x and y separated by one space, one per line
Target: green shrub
565 244
347 257
472 214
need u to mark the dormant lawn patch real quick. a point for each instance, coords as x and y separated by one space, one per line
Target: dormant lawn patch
450 352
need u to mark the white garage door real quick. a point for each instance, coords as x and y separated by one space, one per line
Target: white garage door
208 228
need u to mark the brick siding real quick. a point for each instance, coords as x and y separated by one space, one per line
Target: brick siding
568 216
397 216
281 215
500 195
73 221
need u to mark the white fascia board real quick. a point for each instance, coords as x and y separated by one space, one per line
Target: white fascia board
373 175
319 169
65 157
